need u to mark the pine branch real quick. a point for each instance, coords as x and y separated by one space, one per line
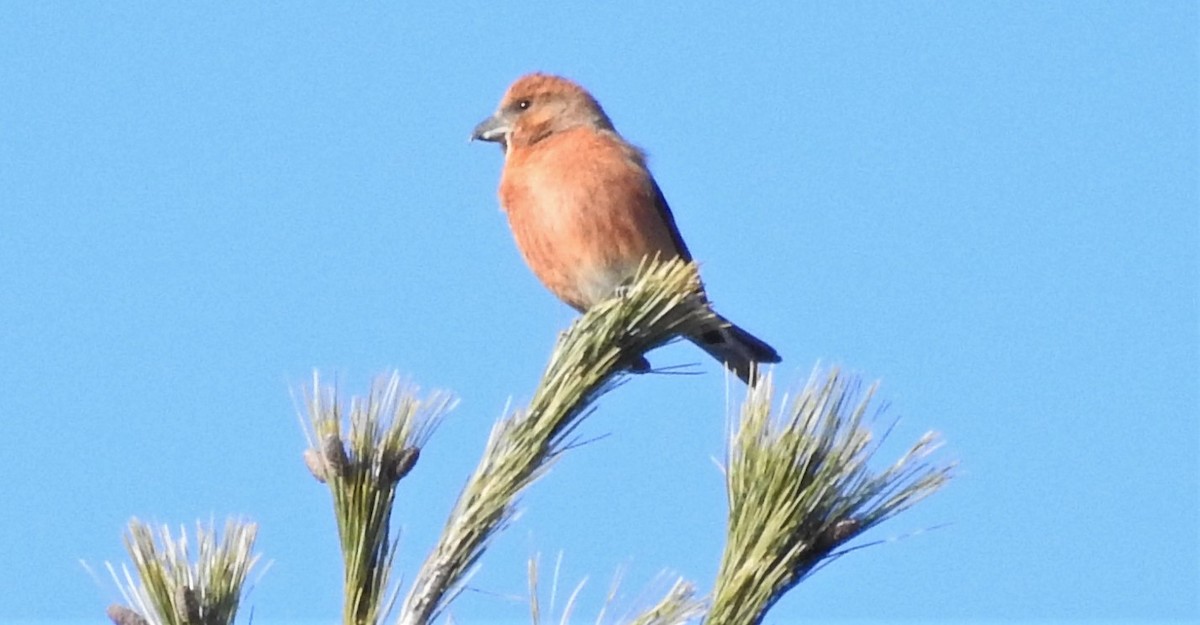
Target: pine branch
173 589
663 302
361 454
799 488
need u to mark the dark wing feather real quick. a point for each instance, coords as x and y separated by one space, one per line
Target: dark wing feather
664 211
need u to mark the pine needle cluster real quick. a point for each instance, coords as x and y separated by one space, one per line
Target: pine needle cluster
799 487
176 588
590 357
361 452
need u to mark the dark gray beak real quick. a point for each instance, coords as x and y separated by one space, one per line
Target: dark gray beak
494 128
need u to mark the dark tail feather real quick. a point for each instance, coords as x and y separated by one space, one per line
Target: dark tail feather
736 348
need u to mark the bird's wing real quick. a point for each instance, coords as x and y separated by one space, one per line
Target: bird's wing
664 211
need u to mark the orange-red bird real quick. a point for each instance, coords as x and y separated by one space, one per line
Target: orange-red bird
583 207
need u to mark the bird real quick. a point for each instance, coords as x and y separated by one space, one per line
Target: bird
585 210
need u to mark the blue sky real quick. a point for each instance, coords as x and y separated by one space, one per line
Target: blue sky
992 207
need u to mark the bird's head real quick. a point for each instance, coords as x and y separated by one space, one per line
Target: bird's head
537 106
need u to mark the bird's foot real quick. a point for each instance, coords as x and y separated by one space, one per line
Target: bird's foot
638 364
626 288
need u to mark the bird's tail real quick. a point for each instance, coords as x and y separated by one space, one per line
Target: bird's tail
736 348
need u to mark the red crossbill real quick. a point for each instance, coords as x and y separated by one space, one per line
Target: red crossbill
584 208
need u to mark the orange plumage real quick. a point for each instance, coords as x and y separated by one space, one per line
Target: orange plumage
584 208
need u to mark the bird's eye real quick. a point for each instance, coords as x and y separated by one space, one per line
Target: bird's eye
523 104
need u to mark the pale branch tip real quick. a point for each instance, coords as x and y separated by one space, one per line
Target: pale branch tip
680 605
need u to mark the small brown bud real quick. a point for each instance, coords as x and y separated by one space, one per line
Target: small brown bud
838 533
335 456
316 464
395 467
121 615
843 530
190 605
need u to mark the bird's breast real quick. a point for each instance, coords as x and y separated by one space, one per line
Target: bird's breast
583 214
